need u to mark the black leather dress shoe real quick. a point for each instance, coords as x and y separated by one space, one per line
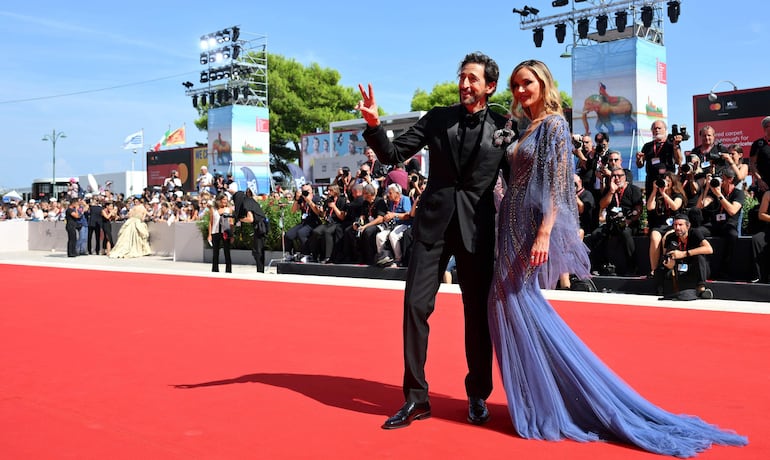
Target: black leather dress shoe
478 414
408 412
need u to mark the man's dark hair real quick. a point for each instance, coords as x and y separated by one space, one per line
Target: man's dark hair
600 136
491 70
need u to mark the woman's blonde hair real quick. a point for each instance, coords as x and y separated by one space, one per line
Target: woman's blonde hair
550 94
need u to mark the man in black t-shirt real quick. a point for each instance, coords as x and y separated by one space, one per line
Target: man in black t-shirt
659 155
721 203
760 152
685 261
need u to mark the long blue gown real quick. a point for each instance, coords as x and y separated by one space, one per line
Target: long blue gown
556 386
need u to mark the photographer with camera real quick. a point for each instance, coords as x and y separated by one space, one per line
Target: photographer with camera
376 169
344 180
734 160
684 263
760 153
710 151
691 177
306 203
365 177
664 201
661 154
172 184
395 223
360 237
612 244
721 202
325 238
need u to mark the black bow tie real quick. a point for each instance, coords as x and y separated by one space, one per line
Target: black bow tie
473 119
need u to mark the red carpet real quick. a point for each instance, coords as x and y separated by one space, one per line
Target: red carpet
120 365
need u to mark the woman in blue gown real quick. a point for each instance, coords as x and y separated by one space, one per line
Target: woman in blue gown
556 386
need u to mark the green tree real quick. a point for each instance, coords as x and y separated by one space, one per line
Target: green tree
447 94
301 99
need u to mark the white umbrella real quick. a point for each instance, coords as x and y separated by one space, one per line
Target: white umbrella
13 195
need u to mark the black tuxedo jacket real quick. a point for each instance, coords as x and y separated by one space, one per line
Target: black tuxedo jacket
451 189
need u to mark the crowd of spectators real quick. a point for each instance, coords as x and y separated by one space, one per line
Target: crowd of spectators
704 190
365 216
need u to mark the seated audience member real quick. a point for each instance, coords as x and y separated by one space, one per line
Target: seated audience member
355 209
395 223
664 202
759 243
366 226
721 203
612 244
306 203
397 175
327 236
684 264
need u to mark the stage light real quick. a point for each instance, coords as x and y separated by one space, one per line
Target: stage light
204 58
557 3
647 15
226 35
621 18
220 38
534 11
204 42
203 99
523 13
221 96
195 101
226 52
601 24
204 77
236 33
537 36
674 9
583 28
220 56
235 93
187 84
213 75
561 32
236 51
212 42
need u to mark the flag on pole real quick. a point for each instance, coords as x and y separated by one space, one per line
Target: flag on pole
177 137
162 141
134 141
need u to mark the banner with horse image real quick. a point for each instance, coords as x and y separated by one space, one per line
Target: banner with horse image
239 143
619 88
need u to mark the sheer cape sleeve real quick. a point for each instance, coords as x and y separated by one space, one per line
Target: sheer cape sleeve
551 193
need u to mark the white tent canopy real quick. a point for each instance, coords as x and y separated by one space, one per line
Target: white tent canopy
13 195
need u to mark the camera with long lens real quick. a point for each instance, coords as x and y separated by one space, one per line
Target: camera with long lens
615 221
672 245
686 168
660 182
577 141
362 174
677 131
715 182
715 155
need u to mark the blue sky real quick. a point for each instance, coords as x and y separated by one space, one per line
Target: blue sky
144 50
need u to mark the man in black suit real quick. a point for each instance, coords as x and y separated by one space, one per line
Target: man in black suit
95 224
455 217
